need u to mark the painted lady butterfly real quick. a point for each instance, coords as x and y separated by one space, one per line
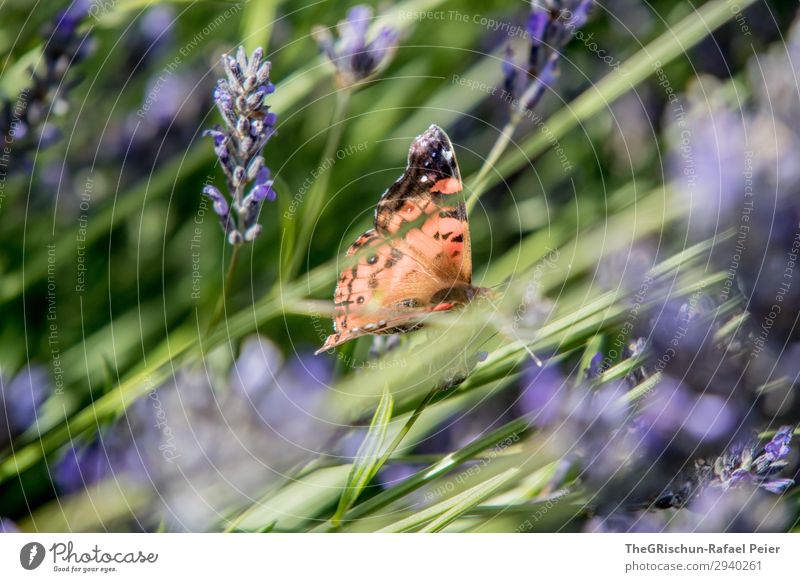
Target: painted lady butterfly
417 258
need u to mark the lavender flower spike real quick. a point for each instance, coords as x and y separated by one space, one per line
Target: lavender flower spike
356 59
25 120
551 24
742 463
239 143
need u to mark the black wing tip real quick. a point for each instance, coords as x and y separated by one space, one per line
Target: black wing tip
434 147
434 132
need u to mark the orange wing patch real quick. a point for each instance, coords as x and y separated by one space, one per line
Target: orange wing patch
417 259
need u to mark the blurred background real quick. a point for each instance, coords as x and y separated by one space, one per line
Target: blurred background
632 184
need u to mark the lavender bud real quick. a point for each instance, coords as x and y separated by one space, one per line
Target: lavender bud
241 58
220 204
254 168
255 60
255 99
263 73
235 237
252 233
238 176
243 126
354 56
239 144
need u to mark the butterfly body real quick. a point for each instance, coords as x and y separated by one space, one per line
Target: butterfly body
417 258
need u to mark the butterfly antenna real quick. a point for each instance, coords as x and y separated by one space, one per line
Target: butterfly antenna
533 356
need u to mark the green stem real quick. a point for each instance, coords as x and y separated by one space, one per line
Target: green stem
226 287
315 199
337 518
497 150
500 145
421 478
408 425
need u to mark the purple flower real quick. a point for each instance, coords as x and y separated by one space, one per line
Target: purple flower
778 447
157 27
8 526
355 58
543 393
777 486
239 143
220 203
263 186
549 28
287 396
744 463
81 466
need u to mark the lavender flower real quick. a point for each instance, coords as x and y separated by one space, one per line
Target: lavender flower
8 526
240 99
356 59
743 463
551 24
747 464
22 120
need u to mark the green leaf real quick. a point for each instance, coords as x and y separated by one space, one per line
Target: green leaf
295 505
442 514
369 457
436 470
257 23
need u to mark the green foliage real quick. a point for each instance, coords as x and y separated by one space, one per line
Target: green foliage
368 458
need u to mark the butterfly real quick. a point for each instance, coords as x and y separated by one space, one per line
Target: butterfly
417 259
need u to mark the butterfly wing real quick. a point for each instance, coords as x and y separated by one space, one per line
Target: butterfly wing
417 254
419 208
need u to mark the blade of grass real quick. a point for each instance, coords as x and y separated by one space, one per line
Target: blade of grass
368 458
440 515
442 467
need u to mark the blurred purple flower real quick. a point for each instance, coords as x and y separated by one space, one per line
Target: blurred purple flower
206 441
543 392
355 58
156 31
8 526
393 474
550 26
736 168
81 466
20 399
289 397
240 98
24 394
733 510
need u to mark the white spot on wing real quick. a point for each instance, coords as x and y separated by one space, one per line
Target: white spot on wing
423 179
448 155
